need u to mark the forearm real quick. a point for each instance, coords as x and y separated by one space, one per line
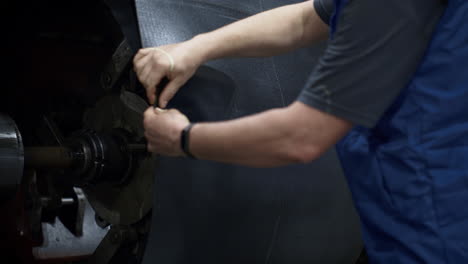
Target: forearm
257 140
269 33
295 134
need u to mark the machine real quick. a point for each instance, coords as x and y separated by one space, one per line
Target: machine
76 180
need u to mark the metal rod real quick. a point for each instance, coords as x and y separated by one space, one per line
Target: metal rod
67 201
48 157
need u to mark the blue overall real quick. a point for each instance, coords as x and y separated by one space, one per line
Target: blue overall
409 174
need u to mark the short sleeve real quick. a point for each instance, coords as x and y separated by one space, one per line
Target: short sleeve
376 47
324 9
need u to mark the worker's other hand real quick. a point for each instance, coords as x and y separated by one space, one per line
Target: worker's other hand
177 62
163 129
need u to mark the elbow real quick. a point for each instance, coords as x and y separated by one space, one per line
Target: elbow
304 153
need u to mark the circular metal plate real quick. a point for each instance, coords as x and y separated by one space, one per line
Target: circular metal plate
11 158
129 202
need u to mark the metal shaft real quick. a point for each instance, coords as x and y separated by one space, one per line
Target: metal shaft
11 158
48 157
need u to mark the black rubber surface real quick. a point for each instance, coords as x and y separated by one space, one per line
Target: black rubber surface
206 212
209 87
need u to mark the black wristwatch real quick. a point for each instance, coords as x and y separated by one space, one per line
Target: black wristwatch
185 140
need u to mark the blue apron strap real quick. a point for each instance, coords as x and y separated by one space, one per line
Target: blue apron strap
339 5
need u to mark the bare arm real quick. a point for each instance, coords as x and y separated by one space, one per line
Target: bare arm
269 33
295 134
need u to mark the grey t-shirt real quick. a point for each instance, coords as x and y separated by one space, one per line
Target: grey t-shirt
374 50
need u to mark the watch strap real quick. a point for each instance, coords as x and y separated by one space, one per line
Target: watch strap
185 140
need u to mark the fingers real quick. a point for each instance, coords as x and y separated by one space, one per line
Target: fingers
139 65
141 53
150 148
158 110
144 71
152 65
150 114
148 118
162 130
150 138
150 90
153 57
150 70
151 134
151 83
169 91
177 114
150 77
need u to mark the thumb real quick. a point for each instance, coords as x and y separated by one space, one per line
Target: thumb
158 110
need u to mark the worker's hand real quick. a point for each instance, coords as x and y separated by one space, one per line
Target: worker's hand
177 62
163 129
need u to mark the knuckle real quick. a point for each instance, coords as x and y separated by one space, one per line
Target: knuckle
146 117
155 56
142 80
149 95
178 70
181 67
138 74
162 65
138 65
149 85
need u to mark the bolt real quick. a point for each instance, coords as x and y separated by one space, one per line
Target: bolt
115 238
107 79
